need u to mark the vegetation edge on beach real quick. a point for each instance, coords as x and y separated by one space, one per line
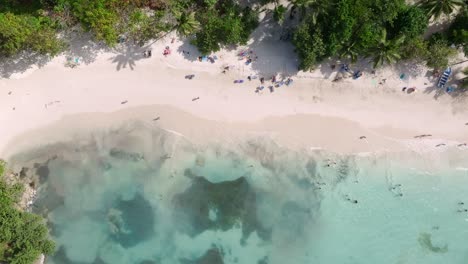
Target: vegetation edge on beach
23 236
383 31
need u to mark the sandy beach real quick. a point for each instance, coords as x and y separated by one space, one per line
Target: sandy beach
314 110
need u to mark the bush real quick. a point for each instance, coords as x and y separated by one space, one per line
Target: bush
309 45
414 49
411 22
439 52
458 31
97 16
229 26
23 236
26 32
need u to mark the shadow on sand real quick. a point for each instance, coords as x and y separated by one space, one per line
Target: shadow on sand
274 56
21 63
79 45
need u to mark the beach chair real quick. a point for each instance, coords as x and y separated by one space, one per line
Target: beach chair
72 62
444 78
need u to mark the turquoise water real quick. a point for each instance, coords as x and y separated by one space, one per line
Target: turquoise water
144 195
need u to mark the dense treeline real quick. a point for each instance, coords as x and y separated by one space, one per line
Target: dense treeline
383 30
23 236
215 23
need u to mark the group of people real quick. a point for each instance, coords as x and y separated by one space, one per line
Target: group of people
276 83
147 54
167 51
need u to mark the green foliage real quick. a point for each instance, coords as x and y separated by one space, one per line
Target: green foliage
26 32
142 27
458 31
20 7
23 236
386 30
98 17
207 39
278 13
186 23
350 53
435 8
348 28
464 81
210 3
227 26
411 22
309 45
386 51
414 49
2 168
311 8
439 53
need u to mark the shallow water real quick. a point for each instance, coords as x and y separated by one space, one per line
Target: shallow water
140 195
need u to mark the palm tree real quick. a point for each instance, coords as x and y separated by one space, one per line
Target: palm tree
350 52
435 8
310 7
386 51
186 23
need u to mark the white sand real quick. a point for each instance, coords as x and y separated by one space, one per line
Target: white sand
313 112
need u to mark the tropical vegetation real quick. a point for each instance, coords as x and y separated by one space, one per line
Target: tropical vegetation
384 31
23 236
436 8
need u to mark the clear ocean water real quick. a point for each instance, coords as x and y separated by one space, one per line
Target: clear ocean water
147 196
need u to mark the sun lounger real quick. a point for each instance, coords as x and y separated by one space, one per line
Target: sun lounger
444 78
72 62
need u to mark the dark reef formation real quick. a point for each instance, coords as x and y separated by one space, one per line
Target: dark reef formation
233 201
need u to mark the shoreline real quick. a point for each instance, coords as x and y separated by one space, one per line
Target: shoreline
303 132
348 109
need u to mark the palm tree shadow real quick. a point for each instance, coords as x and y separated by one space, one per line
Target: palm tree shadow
128 56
